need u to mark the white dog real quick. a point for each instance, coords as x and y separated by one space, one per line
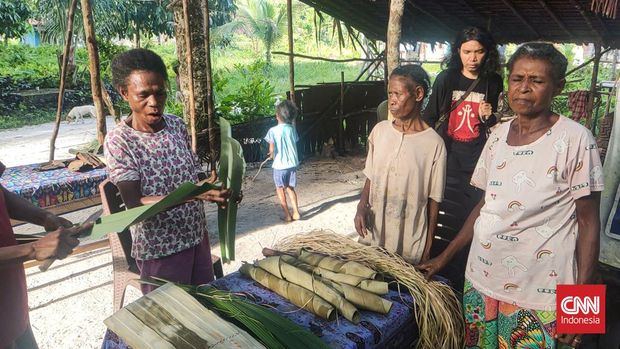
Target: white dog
77 113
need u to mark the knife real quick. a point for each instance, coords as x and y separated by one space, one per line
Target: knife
92 218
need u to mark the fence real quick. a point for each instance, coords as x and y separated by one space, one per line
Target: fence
323 117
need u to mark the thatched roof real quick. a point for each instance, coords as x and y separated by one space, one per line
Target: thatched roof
514 21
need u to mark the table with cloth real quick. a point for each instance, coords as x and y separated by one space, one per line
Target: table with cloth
58 191
397 329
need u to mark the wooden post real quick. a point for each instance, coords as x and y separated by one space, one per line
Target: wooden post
63 75
597 59
93 61
341 116
210 107
190 77
397 7
291 58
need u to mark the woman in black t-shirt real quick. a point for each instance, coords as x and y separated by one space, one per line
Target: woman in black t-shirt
473 62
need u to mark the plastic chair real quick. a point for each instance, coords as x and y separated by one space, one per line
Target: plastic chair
125 270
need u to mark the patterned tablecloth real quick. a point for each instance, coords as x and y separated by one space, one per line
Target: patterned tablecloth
394 330
51 188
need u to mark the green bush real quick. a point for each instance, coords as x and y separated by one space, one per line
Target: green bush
252 100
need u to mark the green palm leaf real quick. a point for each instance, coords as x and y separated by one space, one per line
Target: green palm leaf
231 172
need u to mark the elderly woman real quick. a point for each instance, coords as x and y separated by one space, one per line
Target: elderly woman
148 156
405 171
538 223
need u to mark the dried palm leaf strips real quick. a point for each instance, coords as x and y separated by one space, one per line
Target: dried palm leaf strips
170 318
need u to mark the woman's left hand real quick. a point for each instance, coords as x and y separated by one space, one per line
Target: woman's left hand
572 340
53 222
485 110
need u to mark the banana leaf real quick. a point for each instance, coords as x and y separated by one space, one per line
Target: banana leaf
358 296
374 286
118 222
336 265
268 327
361 298
231 172
285 271
293 293
170 318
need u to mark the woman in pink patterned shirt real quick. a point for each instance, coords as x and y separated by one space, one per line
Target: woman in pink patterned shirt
538 223
148 156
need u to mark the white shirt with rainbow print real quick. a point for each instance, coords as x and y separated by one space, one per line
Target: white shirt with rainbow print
524 239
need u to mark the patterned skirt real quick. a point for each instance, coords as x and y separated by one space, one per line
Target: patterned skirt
491 324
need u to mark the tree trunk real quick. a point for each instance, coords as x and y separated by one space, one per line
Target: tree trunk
63 75
93 61
109 105
397 7
209 84
198 65
136 42
190 75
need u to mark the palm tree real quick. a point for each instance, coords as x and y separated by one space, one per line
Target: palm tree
259 18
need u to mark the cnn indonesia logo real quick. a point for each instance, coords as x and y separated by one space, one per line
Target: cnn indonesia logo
580 309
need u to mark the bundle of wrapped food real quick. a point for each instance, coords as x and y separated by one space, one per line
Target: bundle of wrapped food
321 284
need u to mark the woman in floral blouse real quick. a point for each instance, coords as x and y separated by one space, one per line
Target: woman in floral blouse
148 156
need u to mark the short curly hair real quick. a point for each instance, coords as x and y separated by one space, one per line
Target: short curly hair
543 51
414 72
125 63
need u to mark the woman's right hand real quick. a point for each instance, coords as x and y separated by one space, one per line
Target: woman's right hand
59 243
433 266
218 196
360 220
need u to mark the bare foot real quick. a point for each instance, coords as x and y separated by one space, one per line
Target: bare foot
296 216
286 219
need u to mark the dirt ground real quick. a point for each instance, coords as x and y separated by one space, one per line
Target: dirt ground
30 144
69 302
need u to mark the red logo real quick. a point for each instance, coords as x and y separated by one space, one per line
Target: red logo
580 309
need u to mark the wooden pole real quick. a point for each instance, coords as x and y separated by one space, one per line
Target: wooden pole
210 107
341 116
299 55
93 61
291 57
397 7
63 75
590 109
190 77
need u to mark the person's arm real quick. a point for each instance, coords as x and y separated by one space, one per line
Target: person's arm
463 238
272 148
22 210
433 108
132 195
362 210
432 212
588 238
57 244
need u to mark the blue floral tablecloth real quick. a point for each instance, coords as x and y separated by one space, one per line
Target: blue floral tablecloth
54 187
394 330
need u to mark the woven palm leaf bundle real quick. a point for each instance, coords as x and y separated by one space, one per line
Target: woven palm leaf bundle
437 309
